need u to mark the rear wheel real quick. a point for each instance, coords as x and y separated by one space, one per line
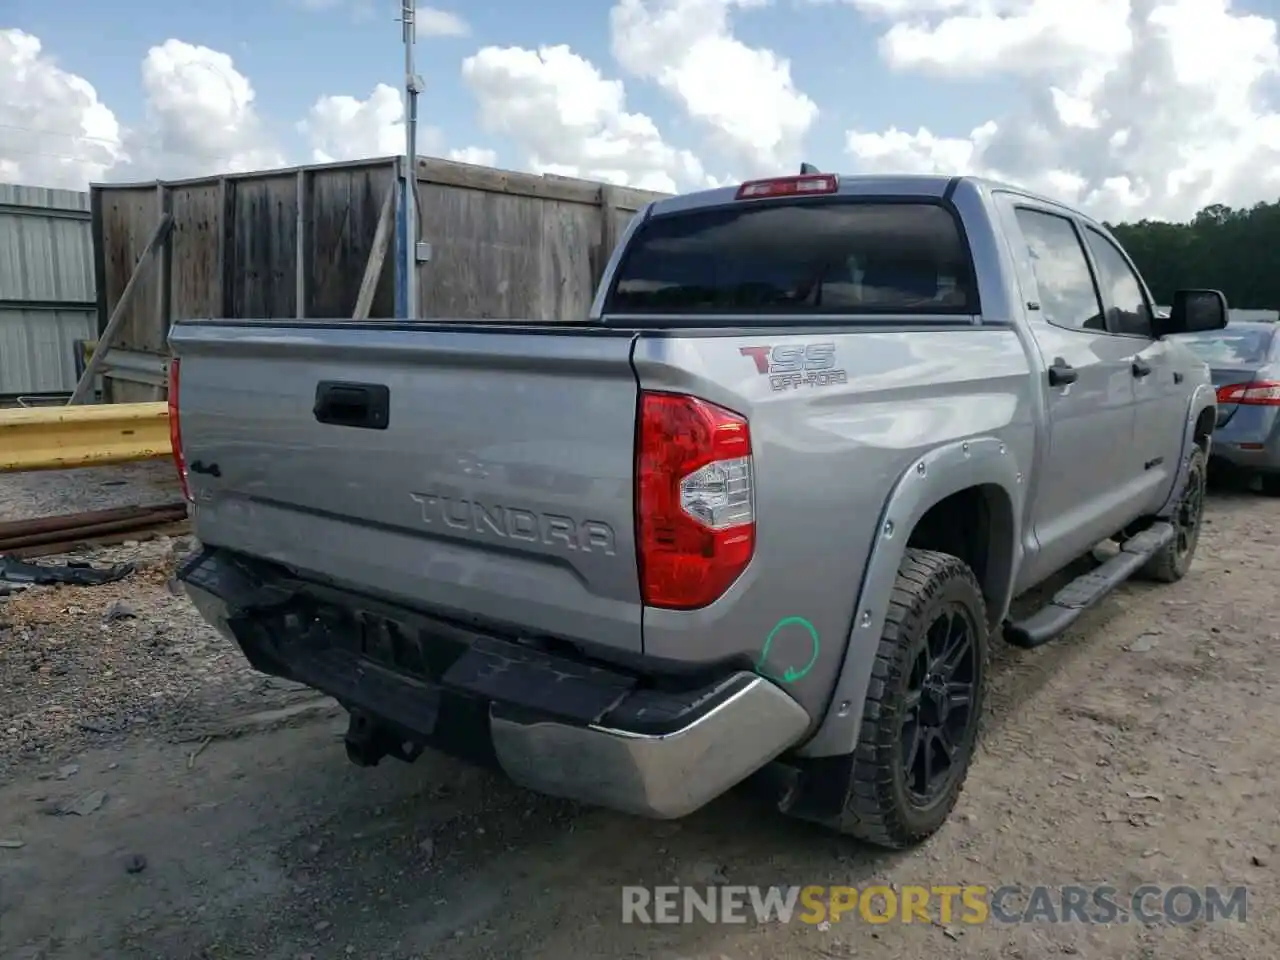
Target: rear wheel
1270 484
921 716
1173 560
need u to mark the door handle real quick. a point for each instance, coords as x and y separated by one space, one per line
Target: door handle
1141 368
1062 373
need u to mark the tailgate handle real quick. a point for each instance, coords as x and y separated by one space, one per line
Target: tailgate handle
366 406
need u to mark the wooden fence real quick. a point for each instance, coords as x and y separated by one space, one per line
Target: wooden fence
317 242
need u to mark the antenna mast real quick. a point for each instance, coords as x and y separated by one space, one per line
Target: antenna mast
412 87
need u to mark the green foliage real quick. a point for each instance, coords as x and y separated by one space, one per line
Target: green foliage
1235 251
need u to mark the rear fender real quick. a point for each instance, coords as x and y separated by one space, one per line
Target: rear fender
1202 398
937 475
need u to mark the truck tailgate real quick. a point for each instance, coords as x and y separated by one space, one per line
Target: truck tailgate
481 473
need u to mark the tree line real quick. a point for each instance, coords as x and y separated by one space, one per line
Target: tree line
1235 251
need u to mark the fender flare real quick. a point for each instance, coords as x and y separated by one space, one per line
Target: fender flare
938 474
1204 397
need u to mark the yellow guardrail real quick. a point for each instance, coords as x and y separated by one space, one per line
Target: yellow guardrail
57 438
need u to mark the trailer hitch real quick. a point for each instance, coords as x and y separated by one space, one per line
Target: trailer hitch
368 740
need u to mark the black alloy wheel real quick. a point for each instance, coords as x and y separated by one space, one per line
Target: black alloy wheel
939 706
1171 562
1186 519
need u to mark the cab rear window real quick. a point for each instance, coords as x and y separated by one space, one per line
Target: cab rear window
821 257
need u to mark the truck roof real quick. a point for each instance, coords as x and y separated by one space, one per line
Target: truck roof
862 184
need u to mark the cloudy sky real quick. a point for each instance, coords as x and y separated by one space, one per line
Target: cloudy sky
1130 108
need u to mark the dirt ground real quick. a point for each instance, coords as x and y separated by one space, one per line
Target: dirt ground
160 800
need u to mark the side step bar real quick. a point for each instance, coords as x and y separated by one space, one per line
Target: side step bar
1070 603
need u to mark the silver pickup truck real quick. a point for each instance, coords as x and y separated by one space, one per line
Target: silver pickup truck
757 516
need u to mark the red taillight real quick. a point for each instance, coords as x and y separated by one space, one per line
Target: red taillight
802 186
1260 393
175 430
695 523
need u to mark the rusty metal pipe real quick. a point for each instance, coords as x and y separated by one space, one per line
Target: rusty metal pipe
73 521
67 546
90 530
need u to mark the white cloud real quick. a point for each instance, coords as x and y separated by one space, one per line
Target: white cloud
973 38
440 23
347 128
1135 108
344 128
572 121
896 151
480 156
432 22
744 96
54 131
200 117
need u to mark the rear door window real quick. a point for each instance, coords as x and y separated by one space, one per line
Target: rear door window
818 257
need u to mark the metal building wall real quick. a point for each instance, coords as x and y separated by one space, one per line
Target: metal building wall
47 297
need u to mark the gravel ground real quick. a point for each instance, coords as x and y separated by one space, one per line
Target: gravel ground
48 493
147 651
210 813
84 666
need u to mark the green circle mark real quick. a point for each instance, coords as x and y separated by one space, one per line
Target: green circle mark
791 674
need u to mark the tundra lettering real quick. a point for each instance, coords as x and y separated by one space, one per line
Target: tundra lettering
551 529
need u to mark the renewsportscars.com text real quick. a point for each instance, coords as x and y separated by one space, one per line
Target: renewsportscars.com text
967 904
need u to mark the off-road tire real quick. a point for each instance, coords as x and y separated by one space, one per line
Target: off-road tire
877 810
1270 483
1171 563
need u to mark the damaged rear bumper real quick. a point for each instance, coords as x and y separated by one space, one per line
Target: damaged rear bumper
552 723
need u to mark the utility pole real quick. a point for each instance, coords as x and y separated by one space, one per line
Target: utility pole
412 87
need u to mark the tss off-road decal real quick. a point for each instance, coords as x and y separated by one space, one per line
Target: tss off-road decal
795 365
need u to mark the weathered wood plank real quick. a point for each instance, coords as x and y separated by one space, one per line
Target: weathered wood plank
99 255
264 248
300 245
226 246
570 238
195 274
163 287
128 220
345 204
373 269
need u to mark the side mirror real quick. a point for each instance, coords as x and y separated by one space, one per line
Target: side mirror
1194 311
